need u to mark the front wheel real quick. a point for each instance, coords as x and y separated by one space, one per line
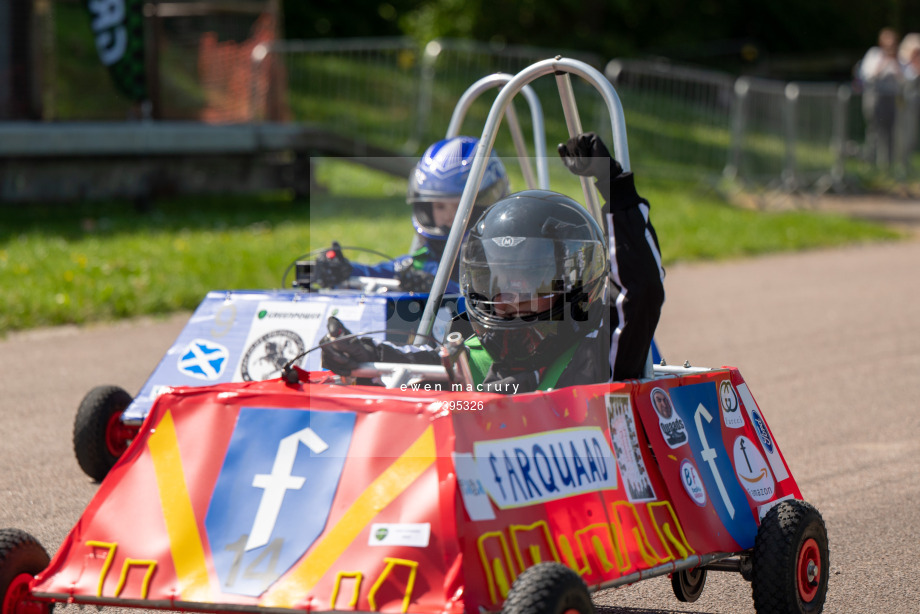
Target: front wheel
99 435
548 588
21 558
790 561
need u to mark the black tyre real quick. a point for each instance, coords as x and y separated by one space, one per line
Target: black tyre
99 436
688 584
790 560
21 558
548 588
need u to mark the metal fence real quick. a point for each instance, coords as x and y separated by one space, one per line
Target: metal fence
399 95
766 133
789 135
678 119
365 88
395 93
681 121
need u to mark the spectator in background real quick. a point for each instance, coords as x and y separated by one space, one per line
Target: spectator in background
881 75
909 115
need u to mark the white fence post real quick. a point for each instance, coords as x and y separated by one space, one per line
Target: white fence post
841 114
790 137
738 112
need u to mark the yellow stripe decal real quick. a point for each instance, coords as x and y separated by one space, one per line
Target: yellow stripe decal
184 540
381 492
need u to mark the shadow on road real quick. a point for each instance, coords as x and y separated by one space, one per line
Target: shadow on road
615 610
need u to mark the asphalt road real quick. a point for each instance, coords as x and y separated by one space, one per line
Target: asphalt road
828 341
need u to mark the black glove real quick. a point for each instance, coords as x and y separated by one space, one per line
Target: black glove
412 279
510 382
331 268
587 156
342 356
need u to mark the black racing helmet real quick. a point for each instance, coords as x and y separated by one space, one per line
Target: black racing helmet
542 252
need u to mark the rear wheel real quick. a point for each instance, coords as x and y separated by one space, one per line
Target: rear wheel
790 559
548 588
21 558
99 436
688 584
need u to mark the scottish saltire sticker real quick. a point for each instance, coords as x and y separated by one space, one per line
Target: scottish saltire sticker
203 359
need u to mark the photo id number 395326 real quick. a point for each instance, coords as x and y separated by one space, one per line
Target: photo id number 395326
461 405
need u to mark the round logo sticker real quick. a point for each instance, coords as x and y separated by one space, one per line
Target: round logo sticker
268 354
752 470
728 399
690 478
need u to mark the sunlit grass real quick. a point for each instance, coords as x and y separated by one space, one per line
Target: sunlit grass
90 262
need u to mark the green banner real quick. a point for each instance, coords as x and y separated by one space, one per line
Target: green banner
118 26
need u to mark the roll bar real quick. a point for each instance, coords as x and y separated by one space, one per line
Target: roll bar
517 136
561 68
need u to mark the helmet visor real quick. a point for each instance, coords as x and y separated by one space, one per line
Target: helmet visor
435 216
511 276
425 208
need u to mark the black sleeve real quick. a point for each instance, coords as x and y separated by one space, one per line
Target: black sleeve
412 354
620 192
637 291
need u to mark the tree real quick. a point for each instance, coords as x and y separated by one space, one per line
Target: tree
734 34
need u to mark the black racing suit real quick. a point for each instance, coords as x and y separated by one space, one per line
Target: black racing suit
623 341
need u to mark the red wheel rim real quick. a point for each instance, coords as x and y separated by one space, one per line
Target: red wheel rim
808 570
17 597
118 435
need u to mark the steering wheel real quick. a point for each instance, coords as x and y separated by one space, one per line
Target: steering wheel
305 263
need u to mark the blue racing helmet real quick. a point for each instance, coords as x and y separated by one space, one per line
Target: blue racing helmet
440 176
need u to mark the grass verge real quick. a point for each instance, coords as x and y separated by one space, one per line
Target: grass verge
88 262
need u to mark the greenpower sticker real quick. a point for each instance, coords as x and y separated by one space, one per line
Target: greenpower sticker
414 535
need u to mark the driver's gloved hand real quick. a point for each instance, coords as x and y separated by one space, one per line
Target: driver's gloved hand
586 155
412 279
331 268
509 382
342 353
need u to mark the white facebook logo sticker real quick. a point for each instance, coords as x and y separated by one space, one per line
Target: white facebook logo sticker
274 492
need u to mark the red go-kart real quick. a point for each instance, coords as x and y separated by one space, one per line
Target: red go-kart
310 493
